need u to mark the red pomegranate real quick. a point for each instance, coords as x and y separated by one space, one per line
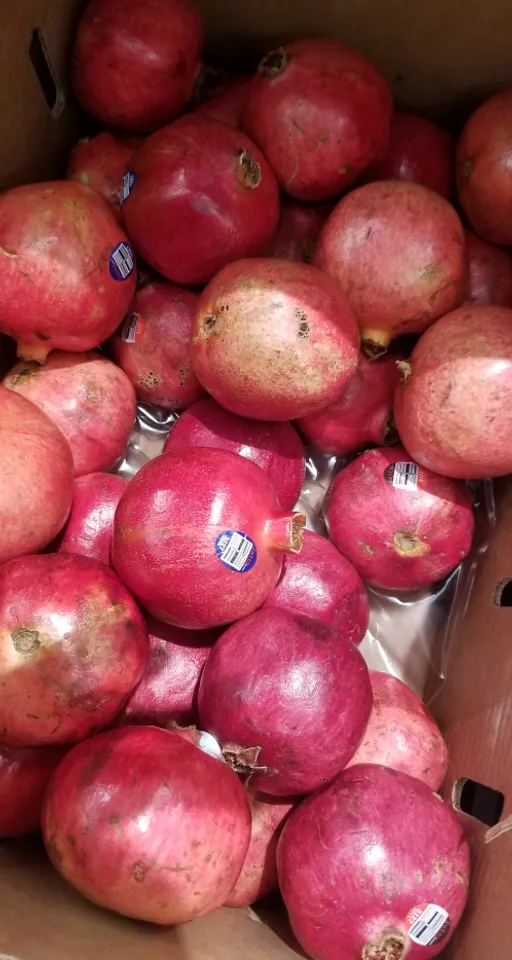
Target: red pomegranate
24 776
419 151
402 733
72 647
297 231
321 114
159 829
90 527
87 397
402 526
275 447
101 162
382 860
397 251
199 537
152 346
228 104
274 340
452 409
36 477
287 699
136 61
67 275
259 872
201 195
488 273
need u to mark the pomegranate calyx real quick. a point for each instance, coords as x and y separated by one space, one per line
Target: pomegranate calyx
247 169
274 63
391 946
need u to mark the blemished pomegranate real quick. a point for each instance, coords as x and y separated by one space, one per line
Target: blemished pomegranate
36 477
382 860
73 644
159 828
228 104
275 447
488 273
287 699
90 527
89 398
135 63
274 340
199 537
321 583
451 410
101 162
362 417
419 151
152 345
259 872
402 526
402 733
397 251
298 229
321 114
68 271
24 776
201 195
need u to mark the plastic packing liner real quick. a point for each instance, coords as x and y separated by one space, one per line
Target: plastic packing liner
409 633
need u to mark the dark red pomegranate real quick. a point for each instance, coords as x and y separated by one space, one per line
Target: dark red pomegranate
228 104
73 644
90 527
24 776
419 151
321 114
488 273
259 872
397 251
201 195
298 229
274 340
101 162
275 447
382 860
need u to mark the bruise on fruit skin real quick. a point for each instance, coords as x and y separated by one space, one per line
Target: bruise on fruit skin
409 545
139 872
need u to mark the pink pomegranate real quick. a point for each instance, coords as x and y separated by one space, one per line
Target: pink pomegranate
90 527
320 583
397 251
24 776
72 647
152 346
36 477
321 114
297 231
67 275
199 537
259 872
489 273
419 151
382 860
87 397
274 340
402 733
402 526
275 447
228 104
201 195
159 829
363 416
452 410
287 699
101 163
136 61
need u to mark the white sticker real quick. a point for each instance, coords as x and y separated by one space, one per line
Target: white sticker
122 261
429 924
132 328
209 745
403 474
127 185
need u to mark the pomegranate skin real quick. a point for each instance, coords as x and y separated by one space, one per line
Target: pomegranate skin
202 196
489 273
320 583
73 644
340 848
135 64
321 114
275 447
160 829
398 537
259 872
100 162
297 231
87 397
287 699
397 251
24 776
229 104
90 527
419 151
36 477
274 340
402 733
452 410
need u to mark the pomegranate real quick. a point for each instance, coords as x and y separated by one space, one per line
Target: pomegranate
259 872
87 397
213 518
402 733
419 151
402 526
397 251
274 340
90 527
321 114
298 228
382 860
287 699
36 477
228 104
101 163
201 194
452 409
275 447
67 274
24 776
320 583
489 273
135 63
152 346
72 647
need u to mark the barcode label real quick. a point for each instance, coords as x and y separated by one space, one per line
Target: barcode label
236 550
122 261
133 328
404 474
431 926
127 185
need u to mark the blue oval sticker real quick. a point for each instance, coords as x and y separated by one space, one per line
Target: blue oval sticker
236 550
122 261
